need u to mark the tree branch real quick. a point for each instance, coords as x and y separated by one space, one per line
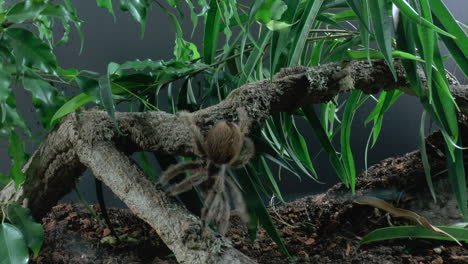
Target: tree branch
88 139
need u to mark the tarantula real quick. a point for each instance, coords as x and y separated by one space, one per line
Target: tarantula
222 148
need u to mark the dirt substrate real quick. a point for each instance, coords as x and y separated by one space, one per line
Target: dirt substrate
324 228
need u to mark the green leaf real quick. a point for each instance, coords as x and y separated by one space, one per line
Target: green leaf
137 9
4 179
274 25
256 207
105 93
29 50
270 10
448 22
409 12
13 249
386 233
345 138
382 30
269 179
424 158
46 98
22 11
71 105
307 20
210 37
326 143
5 79
146 165
456 174
359 55
33 232
386 100
18 158
106 4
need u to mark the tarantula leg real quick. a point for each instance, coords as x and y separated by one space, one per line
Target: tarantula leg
238 200
246 155
213 199
197 135
244 120
222 220
179 168
188 183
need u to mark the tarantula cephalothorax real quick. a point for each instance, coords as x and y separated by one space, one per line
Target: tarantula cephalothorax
225 145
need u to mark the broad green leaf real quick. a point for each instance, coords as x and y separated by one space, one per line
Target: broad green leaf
88 85
255 206
137 9
33 232
71 105
106 4
5 79
4 179
210 37
386 233
18 158
13 249
105 94
60 12
307 20
409 12
270 10
25 10
29 50
46 98
10 119
382 30
69 74
424 158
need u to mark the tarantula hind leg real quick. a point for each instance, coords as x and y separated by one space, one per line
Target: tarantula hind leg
188 183
179 168
246 154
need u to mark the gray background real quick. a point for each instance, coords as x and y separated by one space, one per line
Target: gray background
108 41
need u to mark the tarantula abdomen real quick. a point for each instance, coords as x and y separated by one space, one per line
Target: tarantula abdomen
223 143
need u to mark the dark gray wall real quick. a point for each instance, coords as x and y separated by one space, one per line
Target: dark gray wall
108 41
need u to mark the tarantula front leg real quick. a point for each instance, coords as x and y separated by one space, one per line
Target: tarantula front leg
179 168
197 135
238 200
245 155
188 183
244 121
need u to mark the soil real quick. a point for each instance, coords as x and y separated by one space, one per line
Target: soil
324 228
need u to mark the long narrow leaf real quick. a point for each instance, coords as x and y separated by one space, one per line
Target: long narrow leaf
382 30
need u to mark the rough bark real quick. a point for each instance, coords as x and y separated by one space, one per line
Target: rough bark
88 139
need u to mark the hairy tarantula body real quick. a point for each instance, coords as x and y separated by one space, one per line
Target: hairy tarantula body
225 146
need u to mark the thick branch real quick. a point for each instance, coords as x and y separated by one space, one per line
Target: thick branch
88 139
